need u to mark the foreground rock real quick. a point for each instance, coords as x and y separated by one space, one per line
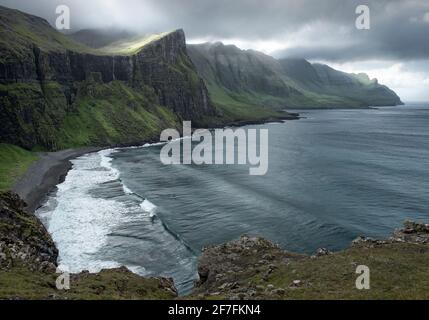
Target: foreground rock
28 261
224 270
412 232
247 268
254 268
23 239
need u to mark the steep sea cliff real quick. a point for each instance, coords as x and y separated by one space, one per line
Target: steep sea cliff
56 93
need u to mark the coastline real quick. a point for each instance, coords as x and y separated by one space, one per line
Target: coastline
52 167
227 271
248 268
45 174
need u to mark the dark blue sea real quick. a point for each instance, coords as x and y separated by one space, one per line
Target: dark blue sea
332 176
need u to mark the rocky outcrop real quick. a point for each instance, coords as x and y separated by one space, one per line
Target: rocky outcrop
226 269
413 232
255 268
357 87
23 239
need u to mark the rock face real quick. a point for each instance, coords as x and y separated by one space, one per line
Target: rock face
23 239
413 232
238 70
224 270
152 66
44 78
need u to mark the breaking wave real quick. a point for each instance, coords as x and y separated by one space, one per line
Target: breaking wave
93 211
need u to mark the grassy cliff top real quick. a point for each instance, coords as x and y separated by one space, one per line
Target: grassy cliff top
19 29
131 46
253 268
14 162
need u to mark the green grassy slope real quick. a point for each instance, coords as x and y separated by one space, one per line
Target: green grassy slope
398 269
337 87
248 83
113 114
232 100
253 78
14 161
18 29
103 114
245 106
22 283
50 107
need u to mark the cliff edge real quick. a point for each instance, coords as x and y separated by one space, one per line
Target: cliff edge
28 262
254 268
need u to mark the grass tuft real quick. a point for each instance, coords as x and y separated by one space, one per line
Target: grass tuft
14 161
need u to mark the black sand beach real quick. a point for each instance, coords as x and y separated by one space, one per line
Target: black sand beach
48 171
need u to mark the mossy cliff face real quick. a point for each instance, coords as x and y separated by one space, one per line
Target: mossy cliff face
55 93
28 261
162 65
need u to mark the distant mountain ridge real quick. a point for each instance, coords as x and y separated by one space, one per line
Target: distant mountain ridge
249 76
323 79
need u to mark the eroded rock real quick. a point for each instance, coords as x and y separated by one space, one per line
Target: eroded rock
23 238
413 232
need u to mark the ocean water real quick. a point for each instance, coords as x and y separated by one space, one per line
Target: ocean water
333 175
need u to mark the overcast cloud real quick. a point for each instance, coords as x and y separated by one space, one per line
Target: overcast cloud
395 49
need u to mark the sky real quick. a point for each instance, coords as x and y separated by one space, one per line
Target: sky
395 49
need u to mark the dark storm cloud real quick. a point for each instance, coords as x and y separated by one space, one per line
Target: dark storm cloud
306 28
399 31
